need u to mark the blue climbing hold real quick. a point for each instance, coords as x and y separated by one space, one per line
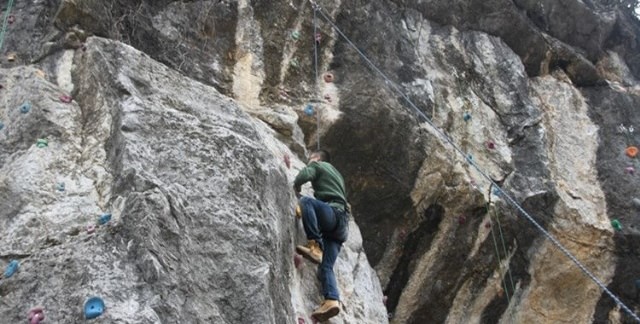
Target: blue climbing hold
25 108
93 307
466 116
308 110
497 192
1 125
60 186
104 218
638 283
11 269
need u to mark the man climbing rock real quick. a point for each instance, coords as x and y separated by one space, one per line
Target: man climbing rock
325 220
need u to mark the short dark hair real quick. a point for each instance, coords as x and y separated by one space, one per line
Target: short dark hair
324 155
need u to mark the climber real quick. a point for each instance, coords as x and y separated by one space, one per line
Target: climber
326 223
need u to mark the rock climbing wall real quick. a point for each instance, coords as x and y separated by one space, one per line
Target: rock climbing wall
125 180
179 115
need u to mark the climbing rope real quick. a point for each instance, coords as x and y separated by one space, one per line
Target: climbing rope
4 23
492 216
472 163
315 65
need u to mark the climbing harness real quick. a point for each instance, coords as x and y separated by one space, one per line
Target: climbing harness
472 163
4 23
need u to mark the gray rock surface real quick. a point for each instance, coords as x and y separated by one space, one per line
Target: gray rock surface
184 145
202 227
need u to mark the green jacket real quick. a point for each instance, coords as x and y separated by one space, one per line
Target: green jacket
328 184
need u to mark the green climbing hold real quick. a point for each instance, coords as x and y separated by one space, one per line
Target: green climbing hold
295 35
294 63
616 225
41 142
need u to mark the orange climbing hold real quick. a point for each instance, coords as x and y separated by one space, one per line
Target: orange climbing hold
631 151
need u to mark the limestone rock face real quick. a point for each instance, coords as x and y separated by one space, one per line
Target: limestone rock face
183 113
202 227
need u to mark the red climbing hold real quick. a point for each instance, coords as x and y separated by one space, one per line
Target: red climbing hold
66 99
462 219
287 161
491 145
11 19
328 78
297 260
631 151
327 98
487 225
36 315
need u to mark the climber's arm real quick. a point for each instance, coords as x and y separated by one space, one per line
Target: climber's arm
305 175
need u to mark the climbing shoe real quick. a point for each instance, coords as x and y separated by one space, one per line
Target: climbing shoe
327 310
312 251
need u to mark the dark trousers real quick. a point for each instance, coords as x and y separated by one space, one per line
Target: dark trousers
329 227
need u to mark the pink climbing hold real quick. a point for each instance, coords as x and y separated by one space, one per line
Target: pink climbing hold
36 315
287 161
487 225
630 170
11 19
66 98
318 38
301 320
384 300
327 98
91 229
491 145
297 260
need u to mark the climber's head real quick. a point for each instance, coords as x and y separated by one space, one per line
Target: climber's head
320 155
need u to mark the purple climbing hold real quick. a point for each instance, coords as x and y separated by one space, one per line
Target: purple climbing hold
630 170
491 145
462 219
36 315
